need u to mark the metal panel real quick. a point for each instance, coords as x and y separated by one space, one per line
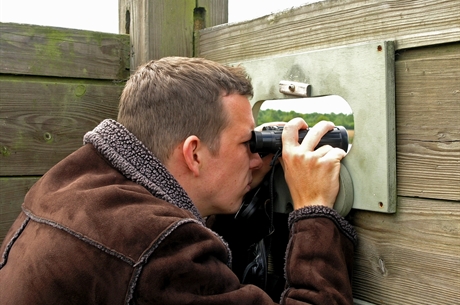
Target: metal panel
363 75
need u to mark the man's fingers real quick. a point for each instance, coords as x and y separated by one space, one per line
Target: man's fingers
329 152
260 127
290 136
315 134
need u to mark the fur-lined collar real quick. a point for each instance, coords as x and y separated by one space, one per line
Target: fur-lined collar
132 158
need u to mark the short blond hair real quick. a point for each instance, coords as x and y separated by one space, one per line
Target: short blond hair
169 99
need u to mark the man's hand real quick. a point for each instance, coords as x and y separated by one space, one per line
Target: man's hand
312 175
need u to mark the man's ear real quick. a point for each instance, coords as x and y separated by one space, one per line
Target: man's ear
190 151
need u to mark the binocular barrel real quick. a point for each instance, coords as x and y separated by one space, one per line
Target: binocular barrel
269 139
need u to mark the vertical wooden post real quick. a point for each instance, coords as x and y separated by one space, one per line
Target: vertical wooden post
161 28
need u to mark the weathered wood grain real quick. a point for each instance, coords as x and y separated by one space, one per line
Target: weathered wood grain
12 196
328 24
428 122
411 257
49 51
167 27
42 120
216 12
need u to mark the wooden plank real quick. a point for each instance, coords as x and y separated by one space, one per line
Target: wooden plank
216 12
49 51
331 23
427 123
42 120
131 21
411 257
13 192
158 28
167 27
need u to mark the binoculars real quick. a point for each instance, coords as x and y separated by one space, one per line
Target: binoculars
269 139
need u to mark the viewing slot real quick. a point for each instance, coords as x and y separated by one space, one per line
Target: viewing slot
312 109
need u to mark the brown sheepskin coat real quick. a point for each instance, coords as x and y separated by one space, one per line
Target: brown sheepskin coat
110 225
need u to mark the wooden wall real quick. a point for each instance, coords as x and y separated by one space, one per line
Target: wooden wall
413 255
55 85
161 28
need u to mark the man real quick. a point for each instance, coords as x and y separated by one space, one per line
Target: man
122 219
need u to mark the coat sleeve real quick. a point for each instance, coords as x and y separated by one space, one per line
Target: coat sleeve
191 266
319 258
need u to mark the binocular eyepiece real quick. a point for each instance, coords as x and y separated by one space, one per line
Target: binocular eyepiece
269 139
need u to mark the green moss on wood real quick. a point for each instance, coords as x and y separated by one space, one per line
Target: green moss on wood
50 51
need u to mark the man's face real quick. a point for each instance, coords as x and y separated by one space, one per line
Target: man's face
229 173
